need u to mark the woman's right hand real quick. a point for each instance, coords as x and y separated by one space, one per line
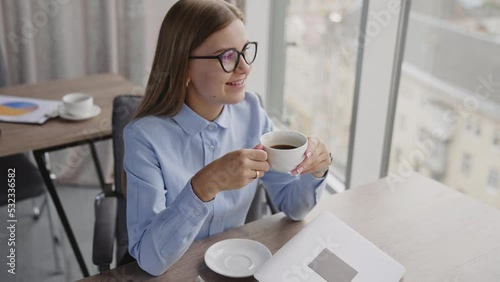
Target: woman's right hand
232 171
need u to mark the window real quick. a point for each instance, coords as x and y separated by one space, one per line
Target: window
455 84
319 65
468 125
493 179
478 128
466 163
445 96
473 126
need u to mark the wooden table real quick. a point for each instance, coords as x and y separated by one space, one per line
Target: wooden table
58 133
437 233
19 138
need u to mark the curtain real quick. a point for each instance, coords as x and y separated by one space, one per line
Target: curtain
63 39
3 71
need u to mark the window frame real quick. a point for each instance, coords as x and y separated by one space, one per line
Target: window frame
372 118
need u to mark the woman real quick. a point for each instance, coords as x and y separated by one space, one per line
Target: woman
191 158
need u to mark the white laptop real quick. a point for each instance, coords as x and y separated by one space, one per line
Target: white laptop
329 250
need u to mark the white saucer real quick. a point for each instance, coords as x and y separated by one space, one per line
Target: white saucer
236 257
93 112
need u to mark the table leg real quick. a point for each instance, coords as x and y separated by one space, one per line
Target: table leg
60 211
97 164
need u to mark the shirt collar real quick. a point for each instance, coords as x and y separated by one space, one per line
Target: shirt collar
224 119
193 123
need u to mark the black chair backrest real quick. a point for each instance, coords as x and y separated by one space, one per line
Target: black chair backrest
124 107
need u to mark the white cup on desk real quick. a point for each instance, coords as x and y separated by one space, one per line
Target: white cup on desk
77 104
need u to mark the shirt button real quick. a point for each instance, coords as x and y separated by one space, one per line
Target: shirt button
211 148
212 126
196 212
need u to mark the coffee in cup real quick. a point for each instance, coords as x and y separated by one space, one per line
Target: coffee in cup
77 104
285 149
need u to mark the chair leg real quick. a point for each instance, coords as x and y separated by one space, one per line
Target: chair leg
55 240
46 157
37 210
103 267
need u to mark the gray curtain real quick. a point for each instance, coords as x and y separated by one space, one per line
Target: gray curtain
3 71
63 39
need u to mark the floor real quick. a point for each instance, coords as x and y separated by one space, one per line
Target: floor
35 260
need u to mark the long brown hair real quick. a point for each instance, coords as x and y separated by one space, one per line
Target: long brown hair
186 26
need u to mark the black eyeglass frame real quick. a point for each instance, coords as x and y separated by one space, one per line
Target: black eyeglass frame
221 55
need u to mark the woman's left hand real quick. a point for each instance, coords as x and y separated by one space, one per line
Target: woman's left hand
317 159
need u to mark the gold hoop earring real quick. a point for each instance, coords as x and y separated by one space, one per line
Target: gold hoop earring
187 83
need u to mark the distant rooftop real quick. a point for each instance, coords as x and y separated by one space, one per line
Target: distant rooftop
450 53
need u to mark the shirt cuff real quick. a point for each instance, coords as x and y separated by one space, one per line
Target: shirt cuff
325 172
191 206
318 184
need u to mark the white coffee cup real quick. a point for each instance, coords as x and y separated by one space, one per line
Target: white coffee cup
285 149
77 104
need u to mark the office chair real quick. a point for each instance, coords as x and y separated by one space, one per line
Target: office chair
28 184
110 205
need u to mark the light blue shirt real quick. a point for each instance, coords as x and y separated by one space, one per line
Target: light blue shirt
162 154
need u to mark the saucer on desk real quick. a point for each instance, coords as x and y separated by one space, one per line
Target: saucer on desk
236 258
96 110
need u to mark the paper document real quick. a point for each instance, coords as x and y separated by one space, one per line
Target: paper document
27 110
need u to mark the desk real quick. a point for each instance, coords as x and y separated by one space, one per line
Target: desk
437 233
57 133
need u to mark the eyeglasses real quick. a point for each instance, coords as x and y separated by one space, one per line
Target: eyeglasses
230 59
